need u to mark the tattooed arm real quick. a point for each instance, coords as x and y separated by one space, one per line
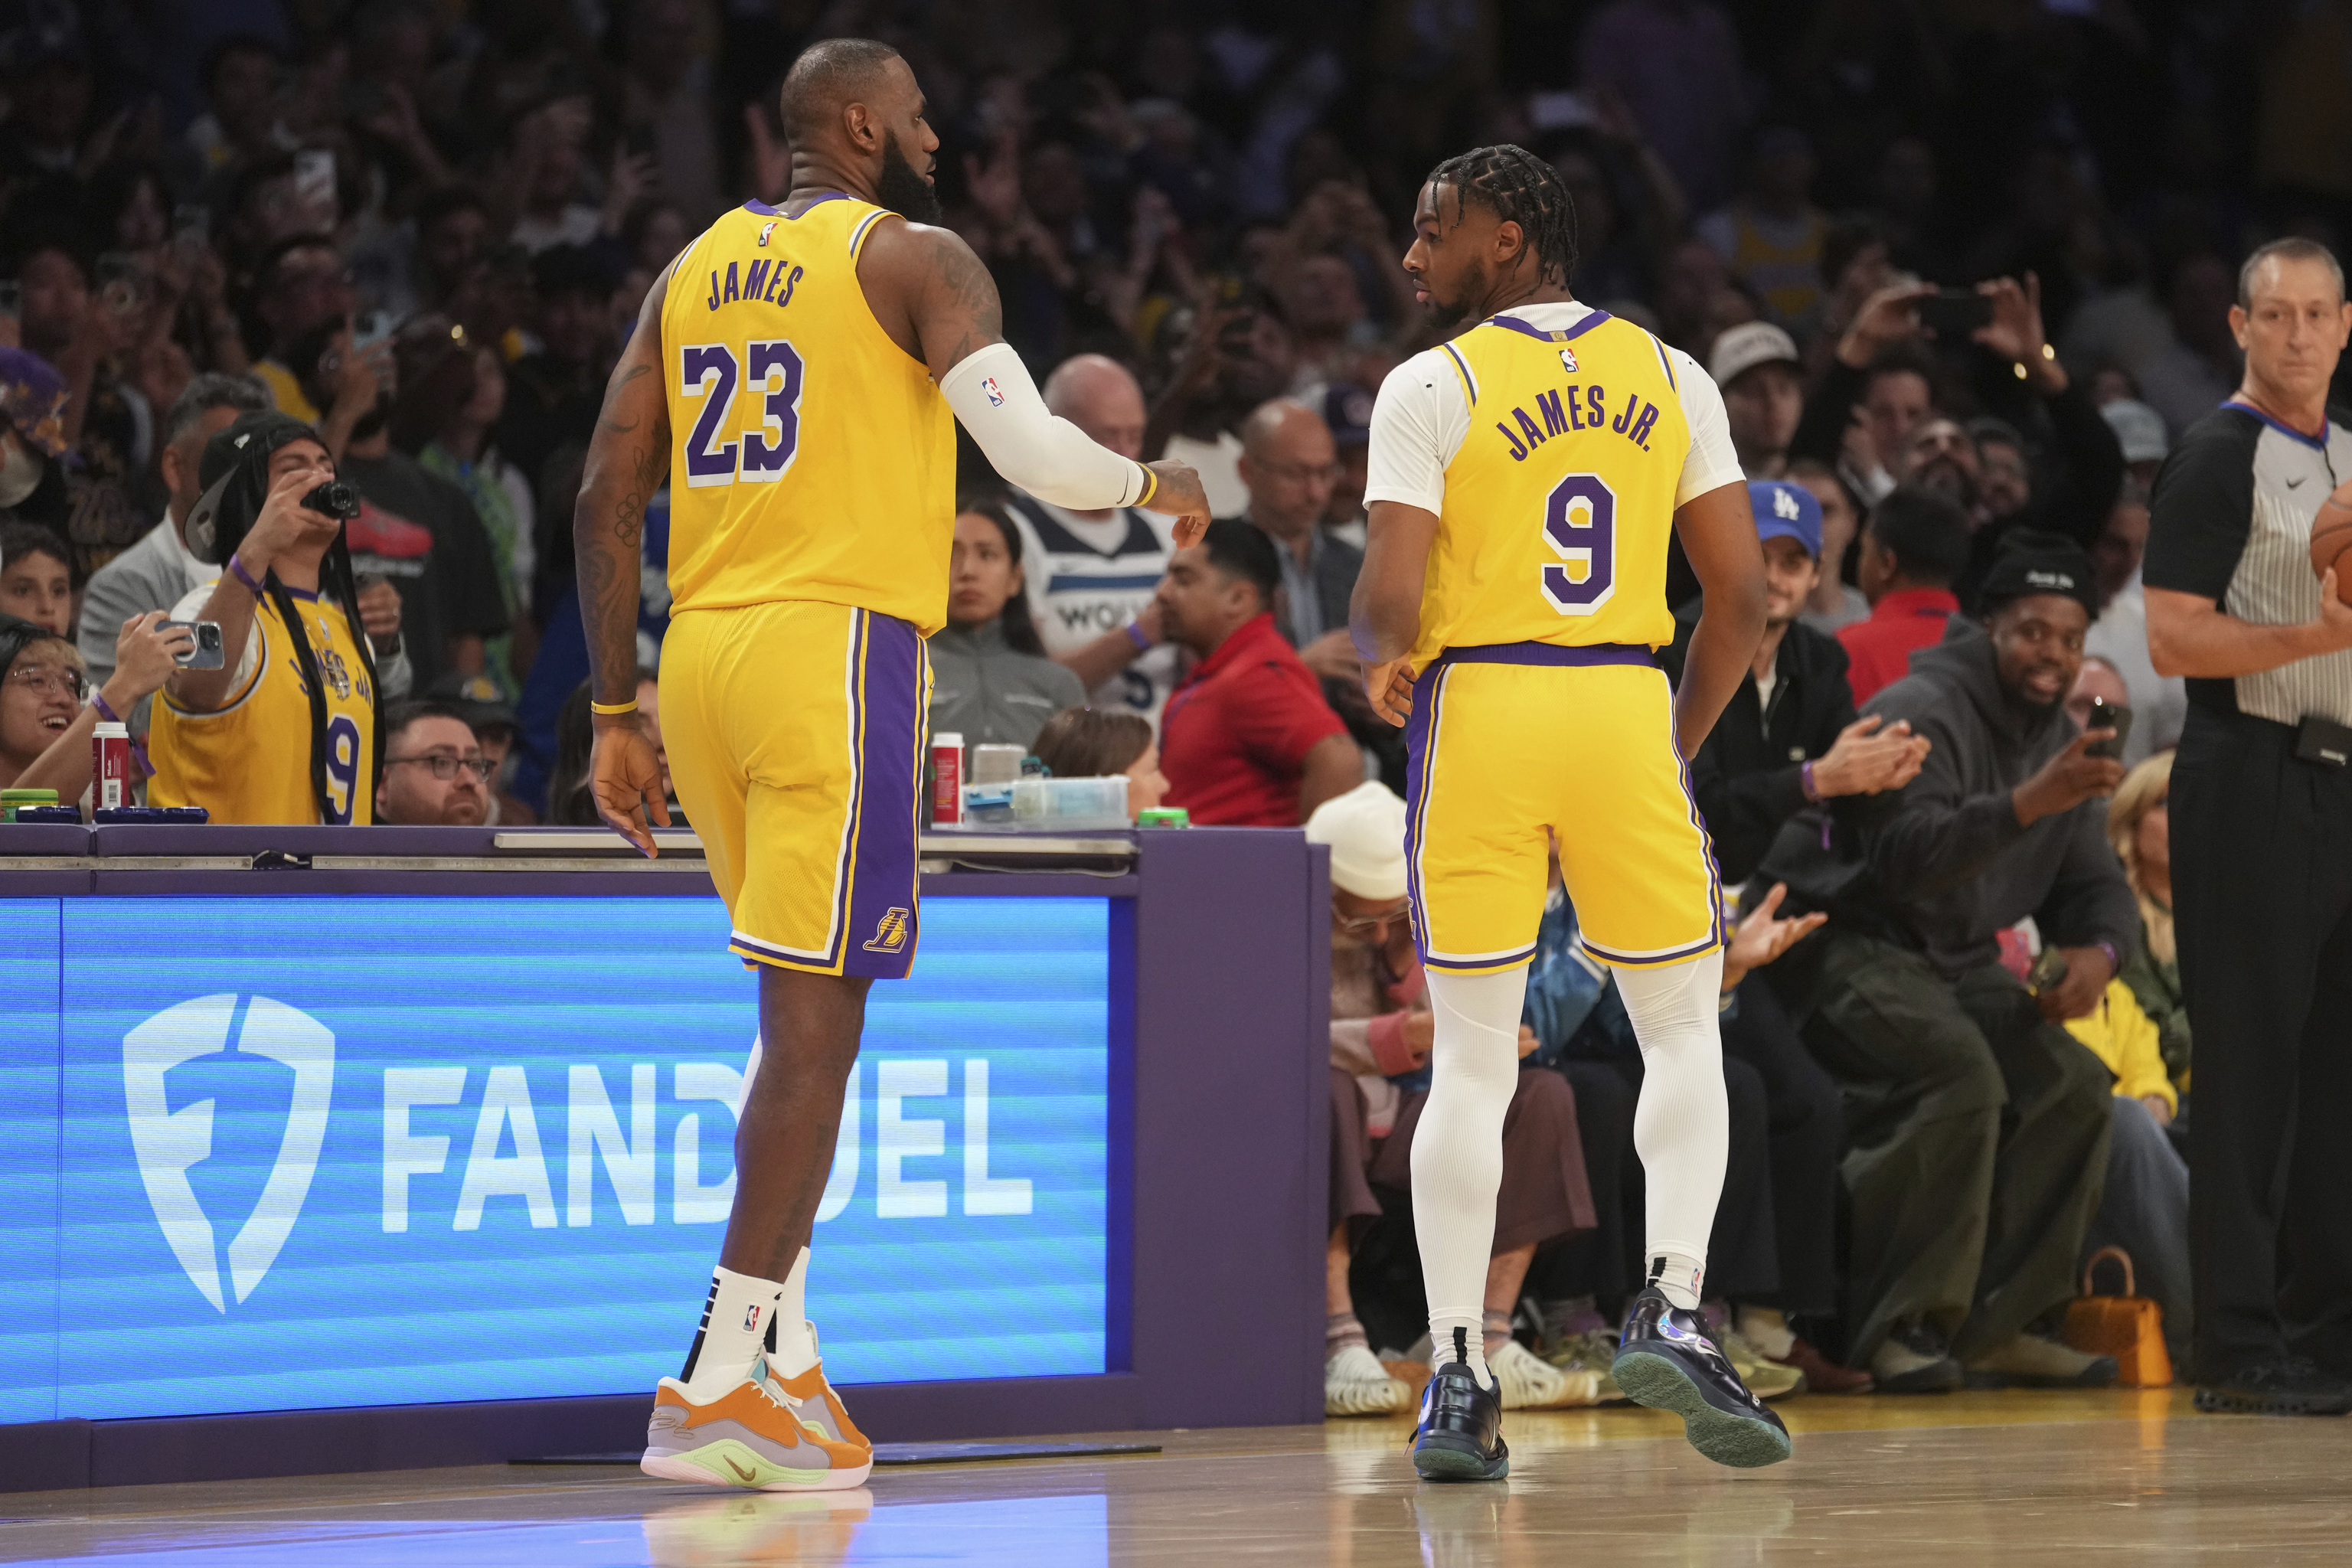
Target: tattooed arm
936 301
627 458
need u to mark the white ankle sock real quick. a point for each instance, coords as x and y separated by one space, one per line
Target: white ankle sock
1681 1123
734 1330
1457 1150
794 1348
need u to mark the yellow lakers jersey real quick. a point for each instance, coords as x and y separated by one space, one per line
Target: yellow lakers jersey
810 458
1559 502
250 760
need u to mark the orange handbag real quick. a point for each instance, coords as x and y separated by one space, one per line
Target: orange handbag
2126 1327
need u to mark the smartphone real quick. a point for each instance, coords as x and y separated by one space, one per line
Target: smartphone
370 329
314 178
2104 715
121 281
206 654
1954 312
2049 969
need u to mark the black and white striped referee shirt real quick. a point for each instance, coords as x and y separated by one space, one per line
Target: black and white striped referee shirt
2231 522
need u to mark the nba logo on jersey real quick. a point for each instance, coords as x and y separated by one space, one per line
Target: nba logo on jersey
750 1317
890 933
995 397
1567 357
766 229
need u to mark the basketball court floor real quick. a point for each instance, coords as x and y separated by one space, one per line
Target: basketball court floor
2010 1480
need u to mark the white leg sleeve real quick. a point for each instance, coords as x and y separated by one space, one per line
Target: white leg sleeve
1457 1149
1682 1124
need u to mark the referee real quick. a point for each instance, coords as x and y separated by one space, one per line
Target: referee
2262 848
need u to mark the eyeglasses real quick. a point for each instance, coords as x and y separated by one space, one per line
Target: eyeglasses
445 768
48 678
1366 925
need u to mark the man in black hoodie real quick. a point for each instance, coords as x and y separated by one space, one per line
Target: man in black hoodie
1978 1125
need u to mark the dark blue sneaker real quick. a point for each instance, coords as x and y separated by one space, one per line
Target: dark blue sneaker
1459 1436
1666 1362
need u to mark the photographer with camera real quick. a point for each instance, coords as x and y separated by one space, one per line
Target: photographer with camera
285 729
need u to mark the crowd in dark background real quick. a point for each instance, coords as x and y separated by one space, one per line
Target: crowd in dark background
426 227
450 211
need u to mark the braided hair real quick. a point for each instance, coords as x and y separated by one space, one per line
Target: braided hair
1518 187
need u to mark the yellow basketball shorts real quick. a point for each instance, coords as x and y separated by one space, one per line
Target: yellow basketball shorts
795 732
1508 741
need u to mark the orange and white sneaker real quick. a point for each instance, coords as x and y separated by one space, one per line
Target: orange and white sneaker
766 1433
812 1399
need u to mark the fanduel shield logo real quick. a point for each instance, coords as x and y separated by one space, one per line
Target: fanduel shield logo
169 1141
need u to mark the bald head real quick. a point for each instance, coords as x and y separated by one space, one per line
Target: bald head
1288 462
1098 396
1281 431
829 76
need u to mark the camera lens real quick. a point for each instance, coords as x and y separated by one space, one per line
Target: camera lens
336 499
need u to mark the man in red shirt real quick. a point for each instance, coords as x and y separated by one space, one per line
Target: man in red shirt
1915 546
1247 740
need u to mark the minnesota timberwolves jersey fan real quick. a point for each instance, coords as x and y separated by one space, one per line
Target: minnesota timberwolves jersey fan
1088 575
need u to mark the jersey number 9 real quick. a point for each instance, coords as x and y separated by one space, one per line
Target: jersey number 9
343 769
1581 526
711 373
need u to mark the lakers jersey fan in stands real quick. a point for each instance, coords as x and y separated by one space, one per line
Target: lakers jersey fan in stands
794 373
289 727
1524 478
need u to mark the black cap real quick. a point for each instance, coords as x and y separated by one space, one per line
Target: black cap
2031 562
234 474
485 706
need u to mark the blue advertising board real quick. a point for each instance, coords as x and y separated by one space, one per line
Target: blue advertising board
292 1152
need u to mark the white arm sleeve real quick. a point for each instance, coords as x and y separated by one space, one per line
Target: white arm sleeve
1419 421
1712 462
1048 456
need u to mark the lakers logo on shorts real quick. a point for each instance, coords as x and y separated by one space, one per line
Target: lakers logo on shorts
890 933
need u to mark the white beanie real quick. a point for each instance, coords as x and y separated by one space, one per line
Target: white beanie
1365 828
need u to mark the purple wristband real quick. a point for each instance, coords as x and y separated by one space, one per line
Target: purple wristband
2114 959
1812 790
236 570
105 709
1135 635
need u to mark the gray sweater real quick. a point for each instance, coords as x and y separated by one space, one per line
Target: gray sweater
984 691
1943 865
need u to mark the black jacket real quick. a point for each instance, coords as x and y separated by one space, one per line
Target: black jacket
1748 776
1943 866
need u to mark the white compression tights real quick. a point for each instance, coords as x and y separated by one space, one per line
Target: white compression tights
1457 1150
1682 1124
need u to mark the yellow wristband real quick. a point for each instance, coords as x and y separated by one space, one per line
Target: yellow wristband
1150 486
628 707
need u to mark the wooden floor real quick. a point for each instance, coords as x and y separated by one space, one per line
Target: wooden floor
2010 1480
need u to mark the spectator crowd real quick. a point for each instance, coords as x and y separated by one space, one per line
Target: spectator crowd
1964 275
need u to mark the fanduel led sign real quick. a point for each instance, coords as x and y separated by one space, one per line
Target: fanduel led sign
287 1153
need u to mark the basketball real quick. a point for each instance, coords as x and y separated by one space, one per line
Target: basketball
2331 532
